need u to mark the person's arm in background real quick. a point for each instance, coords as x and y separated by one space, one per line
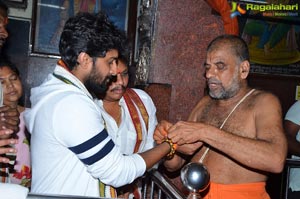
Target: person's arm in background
291 130
4 143
9 119
292 127
9 124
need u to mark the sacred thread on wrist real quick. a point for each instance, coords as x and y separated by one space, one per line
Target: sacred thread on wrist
173 147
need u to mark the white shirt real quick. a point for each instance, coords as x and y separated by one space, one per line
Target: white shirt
70 148
124 136
293 115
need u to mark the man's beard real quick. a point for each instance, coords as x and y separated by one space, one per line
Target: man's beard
224 93
98 88
93 85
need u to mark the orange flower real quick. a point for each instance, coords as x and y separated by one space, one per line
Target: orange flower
25 172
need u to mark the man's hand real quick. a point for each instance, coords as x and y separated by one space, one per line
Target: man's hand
161 131
189 149
187 132
9 118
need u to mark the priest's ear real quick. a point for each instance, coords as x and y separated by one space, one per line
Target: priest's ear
244 69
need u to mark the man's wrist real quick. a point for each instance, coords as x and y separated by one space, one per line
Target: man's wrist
172 146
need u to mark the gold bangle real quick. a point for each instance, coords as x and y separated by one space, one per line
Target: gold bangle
173 146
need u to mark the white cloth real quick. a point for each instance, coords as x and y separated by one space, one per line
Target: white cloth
124 136
13 191
69 146
293 115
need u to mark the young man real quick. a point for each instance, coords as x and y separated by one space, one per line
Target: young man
71 149
239 129
130 120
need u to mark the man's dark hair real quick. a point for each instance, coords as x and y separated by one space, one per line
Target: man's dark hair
238 46
91 33
124 53
3 9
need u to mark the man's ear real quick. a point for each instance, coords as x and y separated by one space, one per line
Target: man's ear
84 60
244 69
